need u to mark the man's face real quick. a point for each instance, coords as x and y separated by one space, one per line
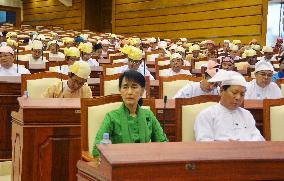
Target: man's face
36 53
195 53
86 56
134 65
268 55
263 78
75 82
105 48
6 59
176 64
210 46
233 97
71 60
53 48
233 53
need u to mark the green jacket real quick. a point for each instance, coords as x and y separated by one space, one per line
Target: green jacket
123 128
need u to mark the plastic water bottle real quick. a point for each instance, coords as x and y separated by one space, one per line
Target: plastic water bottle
105 139
26 94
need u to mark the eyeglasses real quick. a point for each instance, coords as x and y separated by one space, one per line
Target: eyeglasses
263 74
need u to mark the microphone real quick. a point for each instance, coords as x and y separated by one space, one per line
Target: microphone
164 115
17 60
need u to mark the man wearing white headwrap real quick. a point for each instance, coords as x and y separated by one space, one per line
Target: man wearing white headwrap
7 66
75 87
37 53
201 88
195 54
268 54
105 44
54 54
87 49
227 121
262 87
176 64
234 51
135 63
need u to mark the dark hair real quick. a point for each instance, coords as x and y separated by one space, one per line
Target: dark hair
97 47
134 76
4 33
281 60
78 39
225 87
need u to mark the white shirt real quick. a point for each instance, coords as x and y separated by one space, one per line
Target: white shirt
193 90
57 55
12 71
170 72
273 59
31 60
64 69
140 70
271 91
217 123
91 62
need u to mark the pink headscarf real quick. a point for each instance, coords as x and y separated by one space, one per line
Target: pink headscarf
212 68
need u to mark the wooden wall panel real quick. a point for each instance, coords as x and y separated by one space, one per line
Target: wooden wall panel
54 13
195 19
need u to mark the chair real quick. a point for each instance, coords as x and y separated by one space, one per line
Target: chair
280 83
109 85
37 83
186 112
5 170
273 124
93 112
197 63
169 86
111 69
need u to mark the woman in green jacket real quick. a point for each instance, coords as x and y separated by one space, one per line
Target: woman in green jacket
130 123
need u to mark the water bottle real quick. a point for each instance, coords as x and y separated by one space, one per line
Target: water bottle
105 139
26 94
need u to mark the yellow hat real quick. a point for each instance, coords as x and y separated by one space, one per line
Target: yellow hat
236 42
134 53
72 52
267 49
249 53
85 47
195 47
11 42
125 49
10 34
81 69
67 40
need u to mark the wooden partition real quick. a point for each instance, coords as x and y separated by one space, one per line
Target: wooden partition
195 19
53 12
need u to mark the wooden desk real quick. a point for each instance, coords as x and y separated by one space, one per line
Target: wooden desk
46 139
254 106
187 161
103 61
96 71
10 89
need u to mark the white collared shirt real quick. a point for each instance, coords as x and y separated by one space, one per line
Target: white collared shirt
12 71
170 72
217 123
271 91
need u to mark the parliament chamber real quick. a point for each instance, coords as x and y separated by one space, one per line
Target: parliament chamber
207 102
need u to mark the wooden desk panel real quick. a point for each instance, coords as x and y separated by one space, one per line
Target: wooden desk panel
8 103
179 161
46 139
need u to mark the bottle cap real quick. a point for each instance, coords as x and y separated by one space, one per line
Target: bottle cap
106 136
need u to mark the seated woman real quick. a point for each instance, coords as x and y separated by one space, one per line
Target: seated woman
75 87
130 123
226 120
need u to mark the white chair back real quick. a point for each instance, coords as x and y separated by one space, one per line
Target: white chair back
171 88
36 87
277 123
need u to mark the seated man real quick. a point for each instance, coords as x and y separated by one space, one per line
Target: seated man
105 47
268 54
234 51
7 66
227 63
37 53
54 54
201 88
227 121
262 87
176 64
75 87
135 63
280 74
86 50
195 49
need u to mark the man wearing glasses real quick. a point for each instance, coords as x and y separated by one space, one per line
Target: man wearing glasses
262 87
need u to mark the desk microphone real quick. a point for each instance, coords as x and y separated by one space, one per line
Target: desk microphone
164 114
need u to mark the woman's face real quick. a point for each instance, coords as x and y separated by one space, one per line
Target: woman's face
130 92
